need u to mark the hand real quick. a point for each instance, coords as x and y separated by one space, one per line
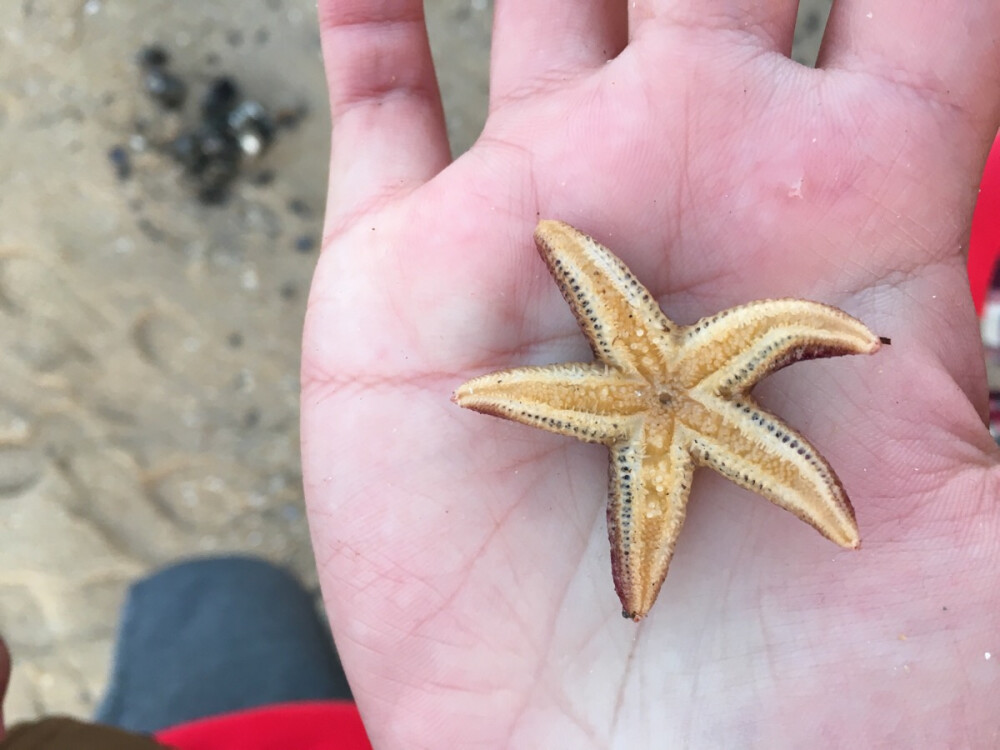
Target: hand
464 560
4 681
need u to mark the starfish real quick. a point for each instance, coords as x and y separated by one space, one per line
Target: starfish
665 399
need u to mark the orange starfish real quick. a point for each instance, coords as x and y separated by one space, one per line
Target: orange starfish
666 398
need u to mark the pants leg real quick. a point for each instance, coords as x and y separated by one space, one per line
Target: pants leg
212 636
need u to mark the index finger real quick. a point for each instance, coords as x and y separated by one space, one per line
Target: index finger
4 679
388 124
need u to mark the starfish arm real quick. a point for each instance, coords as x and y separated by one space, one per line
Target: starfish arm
590 402
650 481
730 352
759 452
618 315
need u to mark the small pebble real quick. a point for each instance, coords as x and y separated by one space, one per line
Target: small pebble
120 160
213 194
305 243
263 177
153 56
299 207
165 88
186 150
215 179
252 127
218 144
222 95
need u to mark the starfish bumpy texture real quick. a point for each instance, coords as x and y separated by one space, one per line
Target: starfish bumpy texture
666 398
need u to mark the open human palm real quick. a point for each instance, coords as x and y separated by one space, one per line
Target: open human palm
464 560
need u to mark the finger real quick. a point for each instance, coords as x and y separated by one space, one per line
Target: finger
771 25
944 52
388 125
532 41
4 679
